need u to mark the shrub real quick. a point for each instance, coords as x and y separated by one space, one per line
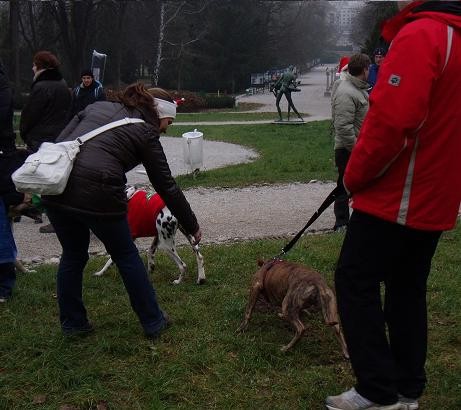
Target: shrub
219 101
193 102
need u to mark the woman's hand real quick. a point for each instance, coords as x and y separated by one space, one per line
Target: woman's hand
197 236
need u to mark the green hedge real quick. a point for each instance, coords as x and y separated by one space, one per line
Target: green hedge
199 101
219 101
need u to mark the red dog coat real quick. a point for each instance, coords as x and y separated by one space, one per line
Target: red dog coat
143 209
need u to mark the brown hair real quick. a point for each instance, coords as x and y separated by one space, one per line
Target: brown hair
135 96
357 63
160 93
45 59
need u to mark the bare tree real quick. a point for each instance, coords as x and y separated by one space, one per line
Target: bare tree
168 12
366 34
14 41
74 19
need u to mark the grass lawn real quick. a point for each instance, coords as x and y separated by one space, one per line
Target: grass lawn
287 154
227 116
200 362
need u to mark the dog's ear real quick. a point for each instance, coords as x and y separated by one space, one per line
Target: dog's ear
260 262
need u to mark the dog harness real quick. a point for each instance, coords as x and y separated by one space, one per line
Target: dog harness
143 209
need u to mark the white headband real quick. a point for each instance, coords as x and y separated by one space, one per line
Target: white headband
165 109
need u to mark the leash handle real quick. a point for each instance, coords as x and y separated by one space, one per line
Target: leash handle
326 203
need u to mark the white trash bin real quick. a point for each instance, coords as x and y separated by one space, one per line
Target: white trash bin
193 149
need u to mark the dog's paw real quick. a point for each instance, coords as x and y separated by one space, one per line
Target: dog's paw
284 348
243 326
201 281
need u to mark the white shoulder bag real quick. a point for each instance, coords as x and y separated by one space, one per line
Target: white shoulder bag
46 171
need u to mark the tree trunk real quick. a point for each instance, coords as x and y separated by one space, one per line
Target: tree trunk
161 36
14 45
121 8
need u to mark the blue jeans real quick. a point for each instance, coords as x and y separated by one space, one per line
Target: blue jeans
7 255
73 231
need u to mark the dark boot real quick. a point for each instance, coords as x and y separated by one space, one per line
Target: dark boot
47 229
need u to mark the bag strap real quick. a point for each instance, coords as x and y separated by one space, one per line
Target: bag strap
86 137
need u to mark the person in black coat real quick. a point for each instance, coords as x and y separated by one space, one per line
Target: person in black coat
46 112
10 160
86 93
7 136
95 199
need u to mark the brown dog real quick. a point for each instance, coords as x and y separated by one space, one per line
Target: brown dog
294 288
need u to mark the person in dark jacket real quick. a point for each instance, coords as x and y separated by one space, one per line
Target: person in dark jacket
46 112
10 160
378 57
95 199
86 93
7 136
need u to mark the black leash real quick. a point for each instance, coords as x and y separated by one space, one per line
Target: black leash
328 201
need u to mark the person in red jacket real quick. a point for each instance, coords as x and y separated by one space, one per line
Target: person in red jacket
404 176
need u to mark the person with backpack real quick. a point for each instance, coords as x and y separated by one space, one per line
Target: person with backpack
86 93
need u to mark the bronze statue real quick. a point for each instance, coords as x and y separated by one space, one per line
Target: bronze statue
285 85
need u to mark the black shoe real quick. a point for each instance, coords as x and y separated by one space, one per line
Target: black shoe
47 229
155 335
78 331
340 228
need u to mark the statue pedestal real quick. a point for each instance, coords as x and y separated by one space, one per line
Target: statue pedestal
295 121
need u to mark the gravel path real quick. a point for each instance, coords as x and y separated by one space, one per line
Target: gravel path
225 215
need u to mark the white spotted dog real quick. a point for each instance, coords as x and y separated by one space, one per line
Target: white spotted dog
148 216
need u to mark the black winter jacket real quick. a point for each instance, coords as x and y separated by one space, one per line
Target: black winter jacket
46 113
97 183
83 96
7 137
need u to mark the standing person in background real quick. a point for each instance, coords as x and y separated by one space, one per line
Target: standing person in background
95 199
349 105
86 93
7 136
378 57
404 175
10 160
45 114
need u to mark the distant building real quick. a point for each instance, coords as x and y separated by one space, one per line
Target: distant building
342 16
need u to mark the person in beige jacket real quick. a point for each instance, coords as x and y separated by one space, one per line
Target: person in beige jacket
349 105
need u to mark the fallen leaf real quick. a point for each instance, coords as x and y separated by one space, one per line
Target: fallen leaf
39 399
102 405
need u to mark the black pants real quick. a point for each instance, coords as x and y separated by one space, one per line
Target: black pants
341 207
376 251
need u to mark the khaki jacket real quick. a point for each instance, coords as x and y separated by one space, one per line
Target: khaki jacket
349 105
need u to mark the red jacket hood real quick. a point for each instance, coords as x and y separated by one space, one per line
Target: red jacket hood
448 12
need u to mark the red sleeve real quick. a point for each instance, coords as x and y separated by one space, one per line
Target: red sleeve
399 102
